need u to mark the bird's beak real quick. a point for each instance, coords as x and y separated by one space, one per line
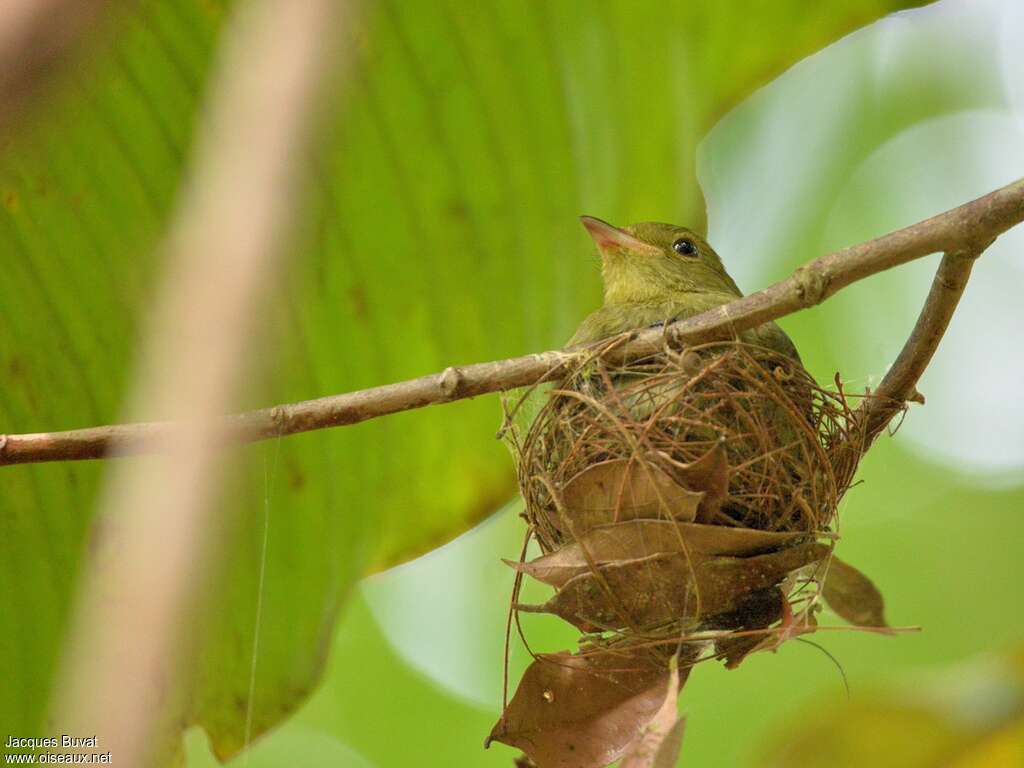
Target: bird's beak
614 241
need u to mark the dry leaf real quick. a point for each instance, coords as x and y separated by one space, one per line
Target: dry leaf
641 538
661 741
661 588
853 596
636 593
573 711
709 474
758 610
791 626
625 489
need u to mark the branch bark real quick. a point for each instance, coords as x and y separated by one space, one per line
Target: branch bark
967 229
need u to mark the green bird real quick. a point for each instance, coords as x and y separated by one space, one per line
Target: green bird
655 273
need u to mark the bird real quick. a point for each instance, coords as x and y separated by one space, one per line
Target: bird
655 273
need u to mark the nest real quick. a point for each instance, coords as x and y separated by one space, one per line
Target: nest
685 506
745 425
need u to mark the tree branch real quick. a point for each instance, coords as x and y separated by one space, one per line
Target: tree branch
968 229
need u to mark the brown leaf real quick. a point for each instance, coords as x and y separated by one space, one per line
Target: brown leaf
635 593
573 711
625 489
733 650
661 741
709 474
791 626
651 591
758 610
853 596
640 538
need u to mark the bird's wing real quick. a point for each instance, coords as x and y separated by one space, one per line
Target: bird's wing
771 336
594 327
618 318
615 318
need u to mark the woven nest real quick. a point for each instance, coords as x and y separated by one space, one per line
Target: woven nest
676 493
677 417
685 505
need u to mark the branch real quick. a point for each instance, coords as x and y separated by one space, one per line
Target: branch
968 229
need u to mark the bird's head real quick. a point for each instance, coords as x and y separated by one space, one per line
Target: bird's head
652 262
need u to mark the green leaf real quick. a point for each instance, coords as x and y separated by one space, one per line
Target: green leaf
439 228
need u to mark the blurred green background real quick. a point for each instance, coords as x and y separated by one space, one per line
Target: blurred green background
894 123
440 228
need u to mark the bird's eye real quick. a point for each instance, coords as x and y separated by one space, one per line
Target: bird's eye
684 247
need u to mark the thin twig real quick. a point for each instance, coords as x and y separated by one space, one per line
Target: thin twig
132 616
970 228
